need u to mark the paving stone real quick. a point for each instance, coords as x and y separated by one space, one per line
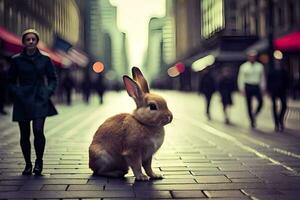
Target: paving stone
95 182
55 187
127 187
8 188
233 168
173 181
177 168
173 176
232 186
187 194
31 187
145 187
275 197
67 194
12 182
224 193
57 181
243 174
212 179
208 173
175 173
72 176
254 192
153 194
246 180
126 180
85 187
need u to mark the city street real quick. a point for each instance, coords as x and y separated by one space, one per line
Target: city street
199 159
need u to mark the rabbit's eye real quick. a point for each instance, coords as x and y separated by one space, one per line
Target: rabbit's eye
152 106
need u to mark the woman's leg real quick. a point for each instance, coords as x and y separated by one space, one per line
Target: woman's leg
39 144
39 138
25 140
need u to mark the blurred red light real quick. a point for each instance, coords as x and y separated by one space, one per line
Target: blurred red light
180 67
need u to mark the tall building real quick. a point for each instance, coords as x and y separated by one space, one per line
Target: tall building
113 38
107 43
161 48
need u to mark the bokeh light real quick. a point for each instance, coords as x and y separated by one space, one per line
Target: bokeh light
278 55
202 63
98 67
173 71
180 67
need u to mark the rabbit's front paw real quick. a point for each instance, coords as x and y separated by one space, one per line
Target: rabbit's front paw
141 177
156 176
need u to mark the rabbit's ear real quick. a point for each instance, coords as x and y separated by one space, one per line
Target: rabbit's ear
140 79
132 88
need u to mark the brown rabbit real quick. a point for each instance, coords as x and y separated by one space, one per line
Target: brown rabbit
131 139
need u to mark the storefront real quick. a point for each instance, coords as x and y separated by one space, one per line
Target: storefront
289 45
11 44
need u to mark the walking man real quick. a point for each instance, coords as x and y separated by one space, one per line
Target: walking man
251 82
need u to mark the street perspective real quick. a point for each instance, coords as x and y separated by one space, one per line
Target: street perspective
150 99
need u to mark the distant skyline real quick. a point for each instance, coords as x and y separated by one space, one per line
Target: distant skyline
133 17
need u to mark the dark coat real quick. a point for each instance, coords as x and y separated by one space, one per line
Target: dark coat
278 82
32 80
207 85
226 88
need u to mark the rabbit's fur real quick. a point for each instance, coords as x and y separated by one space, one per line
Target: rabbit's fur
130 140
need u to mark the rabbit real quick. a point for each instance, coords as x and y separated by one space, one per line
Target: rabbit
130 140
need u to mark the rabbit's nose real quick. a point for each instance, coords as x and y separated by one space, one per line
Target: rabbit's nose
170 118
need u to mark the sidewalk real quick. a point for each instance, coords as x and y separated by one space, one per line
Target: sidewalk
293 114
195 163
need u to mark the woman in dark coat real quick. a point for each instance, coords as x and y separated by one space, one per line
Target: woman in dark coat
32 80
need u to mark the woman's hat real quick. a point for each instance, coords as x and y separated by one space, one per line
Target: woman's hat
30 31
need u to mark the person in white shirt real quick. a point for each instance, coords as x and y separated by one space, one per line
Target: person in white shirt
251 83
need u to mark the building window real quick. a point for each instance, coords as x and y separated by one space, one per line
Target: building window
212 16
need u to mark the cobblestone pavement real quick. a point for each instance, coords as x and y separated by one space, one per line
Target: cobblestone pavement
199 159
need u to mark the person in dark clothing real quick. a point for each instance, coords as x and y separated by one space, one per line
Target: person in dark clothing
207 88
3 86
86 87
68 85
32 80
100 87
277 86
225 88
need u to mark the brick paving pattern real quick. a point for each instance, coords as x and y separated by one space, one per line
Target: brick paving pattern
195 163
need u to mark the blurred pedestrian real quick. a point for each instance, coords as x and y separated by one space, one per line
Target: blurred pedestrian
3 86
32 80
277 86
68 85
226 88
207 88
86 87
99 86
251 82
